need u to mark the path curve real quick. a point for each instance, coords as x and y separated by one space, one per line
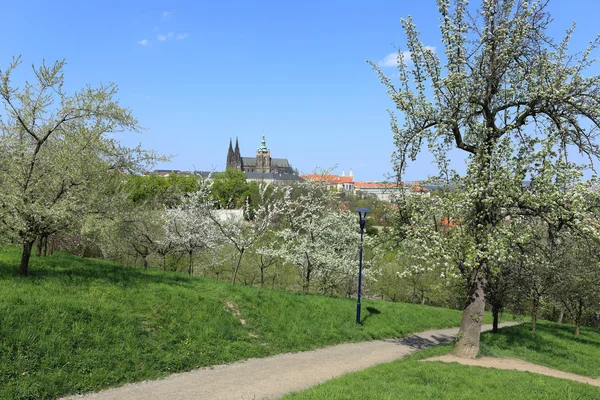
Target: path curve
273 377
516 365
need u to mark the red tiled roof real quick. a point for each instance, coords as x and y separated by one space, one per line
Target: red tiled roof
333 179
448 222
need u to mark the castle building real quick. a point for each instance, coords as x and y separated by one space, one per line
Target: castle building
262 163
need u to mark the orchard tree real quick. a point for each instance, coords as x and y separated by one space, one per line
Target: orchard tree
189 226
243 235
319 240
500 86
57 154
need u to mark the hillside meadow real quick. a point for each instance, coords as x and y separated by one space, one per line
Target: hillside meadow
77 325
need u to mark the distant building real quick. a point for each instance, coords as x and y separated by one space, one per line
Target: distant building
382 190
262 163
261 168
342 182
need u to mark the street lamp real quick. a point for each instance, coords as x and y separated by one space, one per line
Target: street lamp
362 219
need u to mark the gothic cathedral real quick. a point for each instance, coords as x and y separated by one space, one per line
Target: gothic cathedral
262 163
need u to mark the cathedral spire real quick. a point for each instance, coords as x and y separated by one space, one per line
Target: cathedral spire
237 148
230 161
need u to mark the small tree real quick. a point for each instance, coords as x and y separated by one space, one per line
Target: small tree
319 240
243 235
189 224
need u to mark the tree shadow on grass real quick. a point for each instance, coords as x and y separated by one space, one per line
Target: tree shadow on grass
420 343
71 271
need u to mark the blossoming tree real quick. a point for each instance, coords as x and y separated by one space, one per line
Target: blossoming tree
500 88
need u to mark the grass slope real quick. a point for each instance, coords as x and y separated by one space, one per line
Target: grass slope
552 345
77 325
412 379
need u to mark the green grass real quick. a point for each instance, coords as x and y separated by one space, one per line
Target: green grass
409 378
552 345
77 325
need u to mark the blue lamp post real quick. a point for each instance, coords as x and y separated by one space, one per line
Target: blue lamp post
362 219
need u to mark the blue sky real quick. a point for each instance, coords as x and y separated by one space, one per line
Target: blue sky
197 73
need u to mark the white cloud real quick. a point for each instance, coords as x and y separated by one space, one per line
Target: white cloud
391 60
161 38
143 42
170 34
166 15
182 36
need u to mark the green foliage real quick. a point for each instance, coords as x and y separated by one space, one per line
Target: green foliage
160 190
77 325
409 378
230 189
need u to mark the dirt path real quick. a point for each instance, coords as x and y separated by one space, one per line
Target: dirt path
517 365
272 377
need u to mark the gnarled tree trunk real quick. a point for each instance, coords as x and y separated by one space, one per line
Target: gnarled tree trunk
467 340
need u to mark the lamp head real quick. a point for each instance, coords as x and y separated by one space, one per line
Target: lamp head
362 216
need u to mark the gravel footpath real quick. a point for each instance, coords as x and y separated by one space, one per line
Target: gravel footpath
273 377
516 365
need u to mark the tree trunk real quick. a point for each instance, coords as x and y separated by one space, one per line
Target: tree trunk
24 267
145 264
262 277
191 266
535 303
579 311
45 249
561 315
237 267
38 248
306 286
495 314
467 340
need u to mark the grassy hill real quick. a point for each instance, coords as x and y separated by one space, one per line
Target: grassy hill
76 325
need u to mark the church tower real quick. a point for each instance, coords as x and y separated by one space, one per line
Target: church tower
263 157
234 158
